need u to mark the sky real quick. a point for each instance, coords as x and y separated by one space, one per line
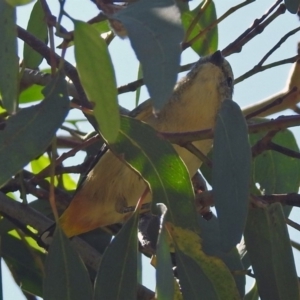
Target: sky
252 90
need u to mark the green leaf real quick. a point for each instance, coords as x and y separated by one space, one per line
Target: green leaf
66 276
270 252
23 262
165 288
37 165
253 293
292 5
200 274
160 166
36 26
33 93
98 238
274 172
211 243
18 2
208 43
37 124
8 57
97 77
231 173
117 275
102 27
155 32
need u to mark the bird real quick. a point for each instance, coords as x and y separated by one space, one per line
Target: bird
111 185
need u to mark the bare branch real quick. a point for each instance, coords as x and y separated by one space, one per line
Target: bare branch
258 69
256 28
292 224
182 138
215 23
258 109
193 149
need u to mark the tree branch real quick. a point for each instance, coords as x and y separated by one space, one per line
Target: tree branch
215 23
272 105
257 27
45 51
183 138
258 69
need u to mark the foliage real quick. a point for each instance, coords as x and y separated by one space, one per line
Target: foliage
253 167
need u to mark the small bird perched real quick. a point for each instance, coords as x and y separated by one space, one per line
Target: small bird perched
111 185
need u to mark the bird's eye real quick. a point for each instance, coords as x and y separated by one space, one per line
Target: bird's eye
229 81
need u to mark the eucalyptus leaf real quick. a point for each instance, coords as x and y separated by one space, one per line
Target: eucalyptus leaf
231 173
292 5
208 43
32 129
37 26
117 274
275 172
22 261
155 32
200 274
270 252
66 276
8 57
164 273
160 166
97 77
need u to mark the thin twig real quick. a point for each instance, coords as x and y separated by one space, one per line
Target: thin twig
215 23
196 19
45 51
256 28
263 144
292 224
134 85
182 138
194 150
45 172
255 23
284 150
258 69
278 101
281 41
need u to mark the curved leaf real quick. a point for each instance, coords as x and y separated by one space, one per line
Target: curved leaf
32 129
31 94
159 164
66 276
231 173
22 261
200 274
36 26
292 5
165 288
18 2
211 243
274 172
117 275
8 57
208 43
97 77
253 293
270 252
155 32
